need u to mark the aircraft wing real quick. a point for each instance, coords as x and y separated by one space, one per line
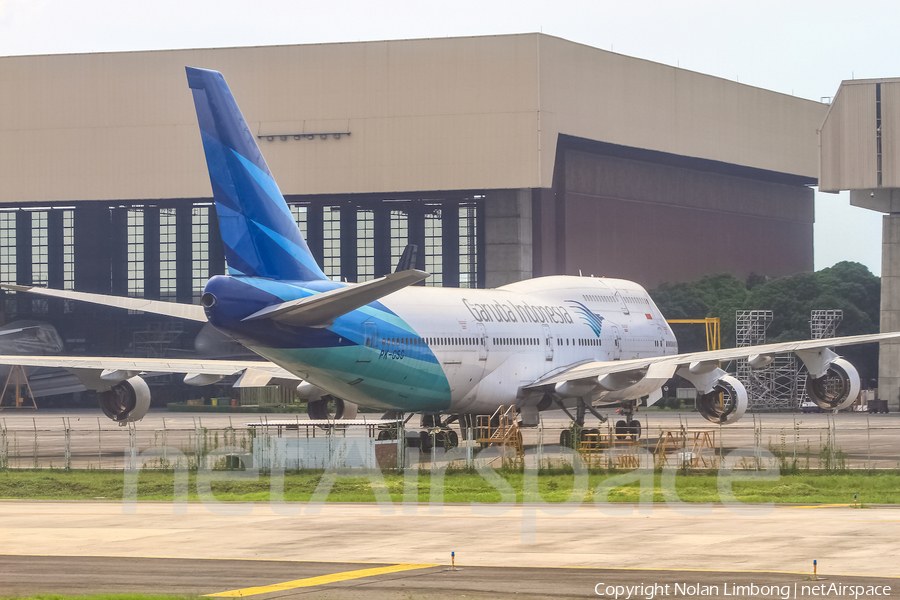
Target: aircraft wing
118 368
192 312
664 367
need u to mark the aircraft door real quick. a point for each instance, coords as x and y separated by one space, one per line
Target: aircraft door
616 332
548 343
482 342
622 304
371 341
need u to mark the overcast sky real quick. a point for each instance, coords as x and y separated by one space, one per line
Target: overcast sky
804 48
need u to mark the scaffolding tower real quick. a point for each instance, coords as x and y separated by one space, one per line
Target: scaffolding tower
773 387
823 324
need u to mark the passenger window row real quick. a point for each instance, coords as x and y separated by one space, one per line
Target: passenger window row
599 298
579 342
517 342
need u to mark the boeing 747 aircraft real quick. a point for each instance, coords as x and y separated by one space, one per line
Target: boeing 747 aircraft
568 342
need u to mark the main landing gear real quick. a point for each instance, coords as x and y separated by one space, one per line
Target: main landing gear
571 438
434 433
440 438
629 428
626 429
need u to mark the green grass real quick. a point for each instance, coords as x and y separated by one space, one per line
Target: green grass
871 487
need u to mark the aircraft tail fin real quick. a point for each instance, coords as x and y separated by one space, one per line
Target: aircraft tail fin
260 236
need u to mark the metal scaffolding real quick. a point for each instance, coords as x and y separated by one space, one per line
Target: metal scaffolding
822 324
773 387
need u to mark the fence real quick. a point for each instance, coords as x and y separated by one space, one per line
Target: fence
824 441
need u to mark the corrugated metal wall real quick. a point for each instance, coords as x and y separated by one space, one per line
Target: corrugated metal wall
890 134
848 140
656 223
849 137
437 114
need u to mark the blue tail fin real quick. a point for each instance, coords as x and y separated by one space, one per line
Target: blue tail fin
260 236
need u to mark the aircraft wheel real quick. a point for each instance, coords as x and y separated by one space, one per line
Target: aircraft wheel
565 438
622 430
425 442
635 427
447 439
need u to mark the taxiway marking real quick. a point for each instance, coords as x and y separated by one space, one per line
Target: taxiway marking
320 580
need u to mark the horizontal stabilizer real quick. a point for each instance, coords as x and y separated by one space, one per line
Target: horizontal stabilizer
192 312
322 309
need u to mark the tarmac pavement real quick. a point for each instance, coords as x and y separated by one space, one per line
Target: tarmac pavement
529 551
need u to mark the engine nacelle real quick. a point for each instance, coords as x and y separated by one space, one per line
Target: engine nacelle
726 403
837 389
127 401
329 408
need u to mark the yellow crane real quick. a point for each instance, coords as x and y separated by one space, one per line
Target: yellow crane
713 331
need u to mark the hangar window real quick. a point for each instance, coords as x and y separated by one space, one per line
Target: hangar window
399 235
39 248
299 214
199 249
68 255
468 255
331 231
8 255
365 245
39 257
434 247
68 250
167 251
135 254
8 247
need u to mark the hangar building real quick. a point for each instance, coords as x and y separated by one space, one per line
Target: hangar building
501 157
861 154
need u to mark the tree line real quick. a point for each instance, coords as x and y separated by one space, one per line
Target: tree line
848 286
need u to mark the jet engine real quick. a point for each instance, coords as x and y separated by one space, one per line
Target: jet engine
322 406
726 402
329 408
127 401
837 388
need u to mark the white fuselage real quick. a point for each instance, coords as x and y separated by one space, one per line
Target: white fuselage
491 343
